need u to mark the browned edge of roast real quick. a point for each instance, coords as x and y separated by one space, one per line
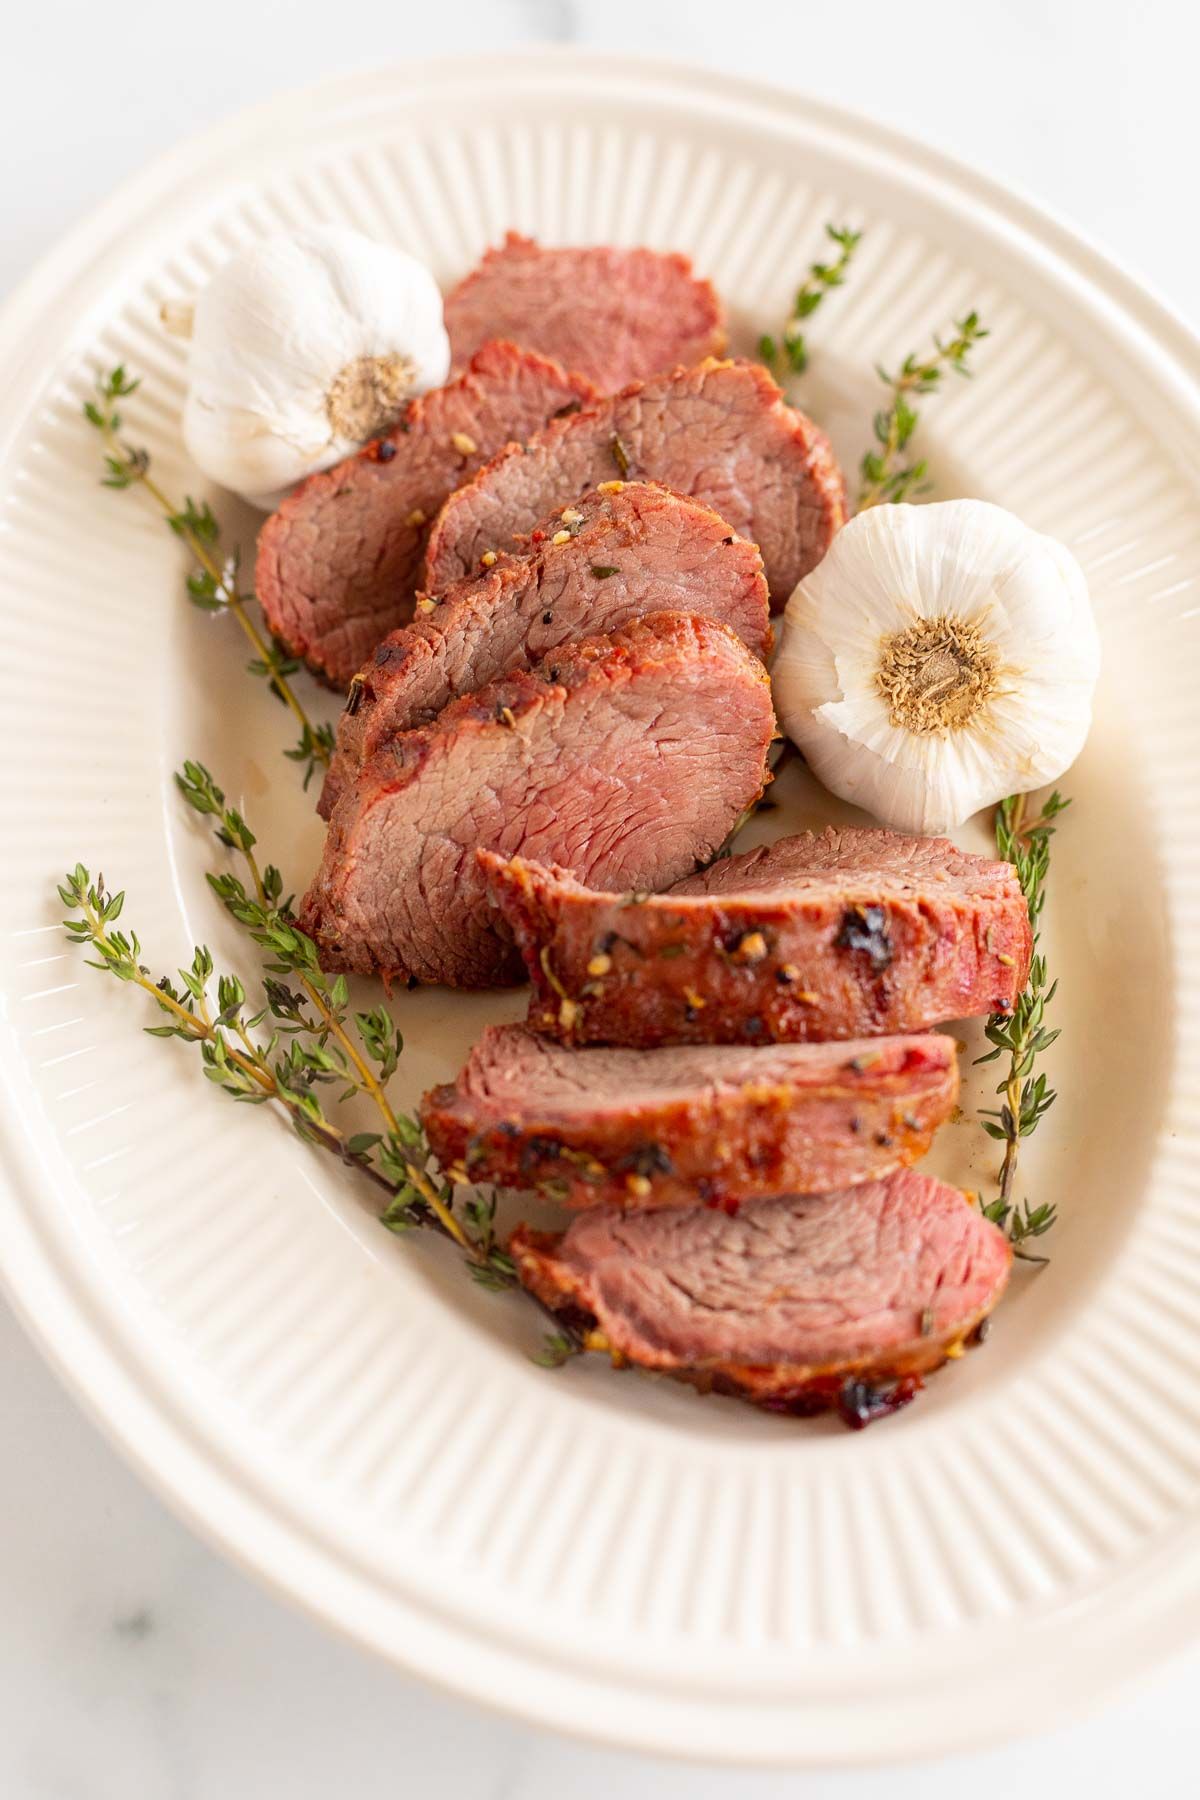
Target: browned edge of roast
813 1118
758 967
888 1381
860 1384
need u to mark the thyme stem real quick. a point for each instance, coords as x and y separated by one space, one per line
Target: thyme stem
1012 1089
882 480
1023 1035
787 753
821 279
197 1025
128 467
235 601
247 1074
316 994
372 1086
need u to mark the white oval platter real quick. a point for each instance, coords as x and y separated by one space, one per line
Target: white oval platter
342 1411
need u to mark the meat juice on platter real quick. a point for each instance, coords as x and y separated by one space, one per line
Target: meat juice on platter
546 586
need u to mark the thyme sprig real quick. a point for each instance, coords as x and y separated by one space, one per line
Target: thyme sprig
363 1058
213 584
822 278
1023 1035
885 476
299 1047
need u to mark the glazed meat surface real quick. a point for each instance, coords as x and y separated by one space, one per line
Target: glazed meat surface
836 934
708 1125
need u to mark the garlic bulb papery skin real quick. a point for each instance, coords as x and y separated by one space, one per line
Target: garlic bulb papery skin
302 348
939 658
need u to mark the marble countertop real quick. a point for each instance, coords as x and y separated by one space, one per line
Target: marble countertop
134 1663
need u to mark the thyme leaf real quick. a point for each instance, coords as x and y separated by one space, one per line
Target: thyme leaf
558 1347
790 348
885 475
213 584
313 748
1022 1225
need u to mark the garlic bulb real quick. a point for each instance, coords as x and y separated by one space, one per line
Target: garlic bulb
939 658
303 347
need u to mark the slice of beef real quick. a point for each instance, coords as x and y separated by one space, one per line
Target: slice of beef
589 568
720 431
702 1124
616 315
628 757
338 563
837 934
795 1302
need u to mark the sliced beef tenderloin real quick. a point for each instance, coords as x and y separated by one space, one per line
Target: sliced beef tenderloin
837 934
616 315
702 1124
843 1300
338 563
588 568
720 431
628 757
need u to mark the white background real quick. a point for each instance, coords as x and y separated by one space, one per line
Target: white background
133 1663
